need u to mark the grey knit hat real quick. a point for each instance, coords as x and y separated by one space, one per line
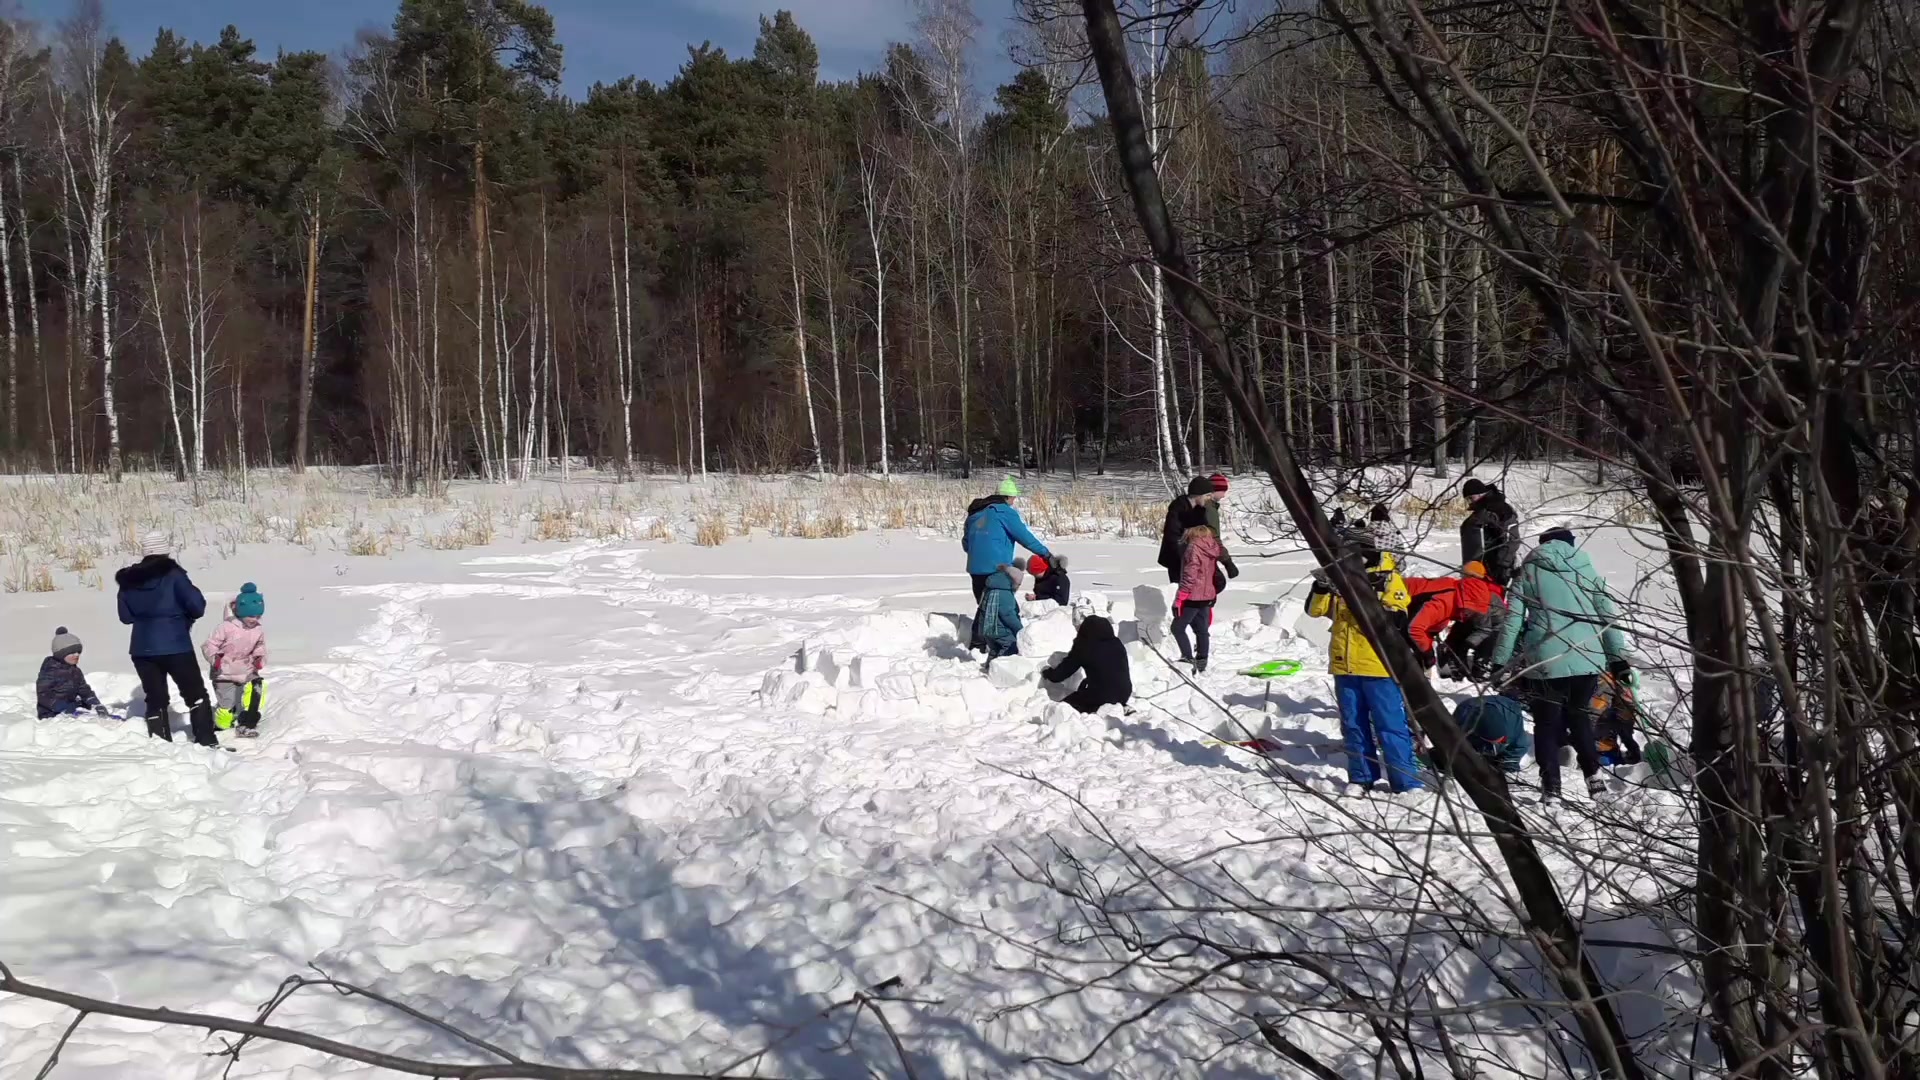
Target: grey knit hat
65 643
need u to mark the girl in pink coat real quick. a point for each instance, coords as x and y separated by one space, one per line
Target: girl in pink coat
1204 568
236 657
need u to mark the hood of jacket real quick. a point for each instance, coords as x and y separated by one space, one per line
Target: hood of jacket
146 573
980 504
1097 628
1560 557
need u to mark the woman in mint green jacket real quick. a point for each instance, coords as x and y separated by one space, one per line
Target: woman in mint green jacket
1559 636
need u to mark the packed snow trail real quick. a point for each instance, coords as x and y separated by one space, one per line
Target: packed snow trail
605 819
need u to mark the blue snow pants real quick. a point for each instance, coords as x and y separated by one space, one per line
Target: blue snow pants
1373 722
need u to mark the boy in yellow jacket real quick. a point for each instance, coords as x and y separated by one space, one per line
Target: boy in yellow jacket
1373 713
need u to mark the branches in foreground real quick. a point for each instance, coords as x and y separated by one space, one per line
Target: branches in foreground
509 1065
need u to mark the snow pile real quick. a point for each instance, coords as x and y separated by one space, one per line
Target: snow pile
658 805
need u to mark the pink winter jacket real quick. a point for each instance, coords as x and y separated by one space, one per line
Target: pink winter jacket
1197 564
237 652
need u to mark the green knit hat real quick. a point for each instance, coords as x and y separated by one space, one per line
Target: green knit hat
1009 489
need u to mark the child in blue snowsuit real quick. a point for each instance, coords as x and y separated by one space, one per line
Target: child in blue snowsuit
999 627
1496 727
62 688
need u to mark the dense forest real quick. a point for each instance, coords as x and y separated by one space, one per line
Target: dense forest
418 252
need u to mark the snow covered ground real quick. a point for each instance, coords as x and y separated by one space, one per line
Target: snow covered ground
619 802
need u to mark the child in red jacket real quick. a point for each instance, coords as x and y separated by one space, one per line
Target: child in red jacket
1471 604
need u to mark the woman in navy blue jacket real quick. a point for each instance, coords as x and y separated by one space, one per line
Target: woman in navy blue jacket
161 603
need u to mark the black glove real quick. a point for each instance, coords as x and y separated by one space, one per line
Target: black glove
101 710
1621 671
1451 668
1481 668
1426 659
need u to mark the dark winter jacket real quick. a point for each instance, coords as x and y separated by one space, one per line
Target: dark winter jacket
62 688
1053 585
1099 653
1183 513
990 534
1491 535
161 603
1497 728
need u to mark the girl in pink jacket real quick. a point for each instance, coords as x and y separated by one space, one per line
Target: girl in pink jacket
236 656
1204 568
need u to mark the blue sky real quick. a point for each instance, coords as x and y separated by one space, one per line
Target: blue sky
604 39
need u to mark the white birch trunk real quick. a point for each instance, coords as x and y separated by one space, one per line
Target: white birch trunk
13 321
876 210
800 343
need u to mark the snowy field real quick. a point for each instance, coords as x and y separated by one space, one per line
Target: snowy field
618 801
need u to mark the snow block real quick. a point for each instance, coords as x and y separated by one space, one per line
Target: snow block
946 624
1010 672
896 686
866 671
1091 603
1151 613
979 697
1049 634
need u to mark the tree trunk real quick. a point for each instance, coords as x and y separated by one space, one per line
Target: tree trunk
1558 937
800 345
303 408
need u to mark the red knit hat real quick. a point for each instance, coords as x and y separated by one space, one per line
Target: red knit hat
1218 481
1037 565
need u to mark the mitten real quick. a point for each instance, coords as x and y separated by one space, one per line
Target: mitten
1426 659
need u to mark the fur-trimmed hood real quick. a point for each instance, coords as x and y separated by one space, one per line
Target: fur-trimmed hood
145 573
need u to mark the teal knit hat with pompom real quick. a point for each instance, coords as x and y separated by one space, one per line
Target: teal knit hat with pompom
249 604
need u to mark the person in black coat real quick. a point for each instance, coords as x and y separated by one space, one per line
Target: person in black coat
161 603
1491 534
1099 653
1199 506
1050 580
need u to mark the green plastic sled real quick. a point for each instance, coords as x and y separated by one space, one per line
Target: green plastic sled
1273 669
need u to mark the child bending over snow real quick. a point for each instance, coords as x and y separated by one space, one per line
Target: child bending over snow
236 655
1050 580
1099 653
62 687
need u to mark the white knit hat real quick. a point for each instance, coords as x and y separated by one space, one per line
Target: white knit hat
155 543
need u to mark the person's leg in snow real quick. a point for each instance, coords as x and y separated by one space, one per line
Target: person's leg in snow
1083 700
226 703
1356 730
1188 613
976 640
1575 693
1387 709
153 686
1202 635
184 670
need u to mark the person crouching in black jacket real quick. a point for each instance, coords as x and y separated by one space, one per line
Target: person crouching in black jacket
1050 580
1099 653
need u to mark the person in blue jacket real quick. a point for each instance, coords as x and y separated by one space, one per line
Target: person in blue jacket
161 603
993 528
1496 727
